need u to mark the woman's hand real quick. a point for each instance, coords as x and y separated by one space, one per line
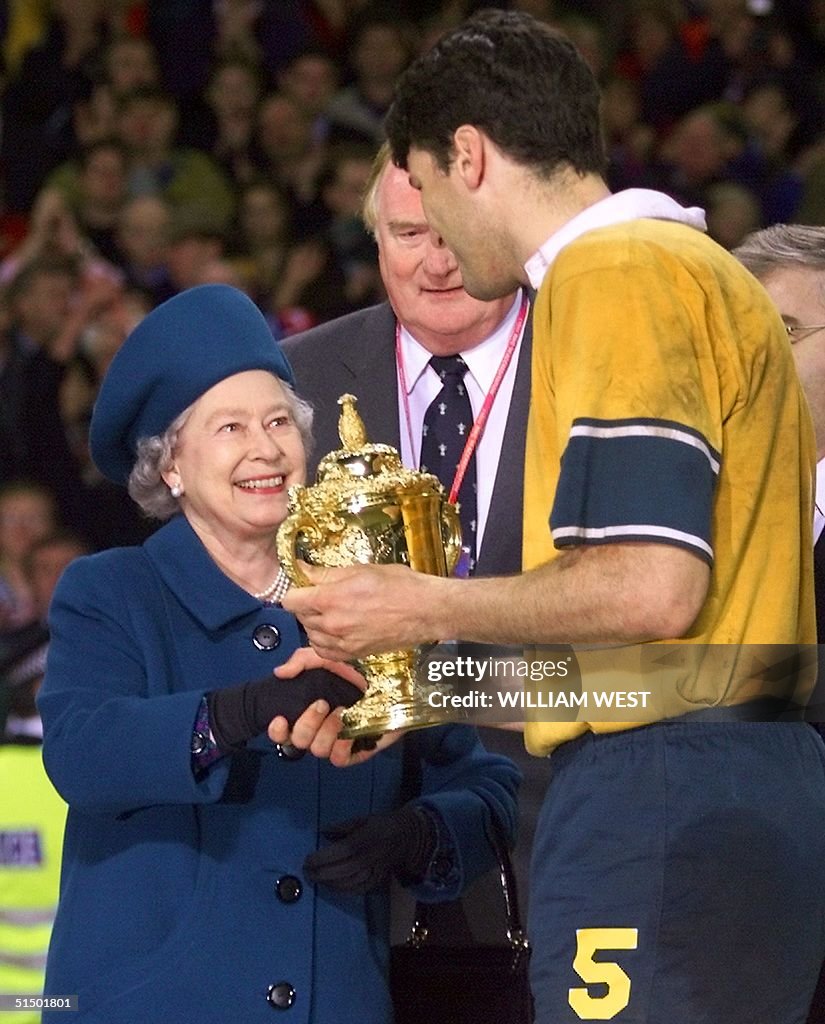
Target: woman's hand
305 657
317 729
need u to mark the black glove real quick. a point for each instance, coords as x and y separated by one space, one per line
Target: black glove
365 852
238 713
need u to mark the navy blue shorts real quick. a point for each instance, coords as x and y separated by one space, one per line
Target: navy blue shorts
678 876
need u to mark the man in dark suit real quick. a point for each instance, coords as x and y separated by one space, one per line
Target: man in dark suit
789 260
381 355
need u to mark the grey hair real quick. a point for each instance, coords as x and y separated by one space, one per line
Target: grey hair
782 245
156 454
369 205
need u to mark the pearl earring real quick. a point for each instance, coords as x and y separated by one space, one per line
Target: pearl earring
176 490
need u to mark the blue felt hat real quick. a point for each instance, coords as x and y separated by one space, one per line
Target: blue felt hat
179 351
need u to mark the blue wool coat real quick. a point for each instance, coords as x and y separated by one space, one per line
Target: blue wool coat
184 900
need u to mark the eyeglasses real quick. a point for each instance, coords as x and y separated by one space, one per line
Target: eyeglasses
796 332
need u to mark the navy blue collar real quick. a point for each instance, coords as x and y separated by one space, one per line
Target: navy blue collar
188 570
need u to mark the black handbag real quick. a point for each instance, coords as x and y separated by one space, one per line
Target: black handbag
435 983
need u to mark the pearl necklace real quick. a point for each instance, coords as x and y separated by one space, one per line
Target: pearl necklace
274 593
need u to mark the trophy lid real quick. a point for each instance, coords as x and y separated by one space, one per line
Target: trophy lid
373 467
357 458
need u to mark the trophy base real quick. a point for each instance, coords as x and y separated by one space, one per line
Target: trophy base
363 723
394 700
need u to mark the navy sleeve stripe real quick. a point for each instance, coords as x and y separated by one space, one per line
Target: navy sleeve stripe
638 532
635 483
649 421
649 428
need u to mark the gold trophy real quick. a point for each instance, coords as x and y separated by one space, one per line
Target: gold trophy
367 508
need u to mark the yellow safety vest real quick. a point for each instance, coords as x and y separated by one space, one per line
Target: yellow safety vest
32 819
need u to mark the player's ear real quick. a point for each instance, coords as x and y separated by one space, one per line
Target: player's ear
469 149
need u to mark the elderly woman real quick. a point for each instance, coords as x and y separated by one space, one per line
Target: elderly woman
184 894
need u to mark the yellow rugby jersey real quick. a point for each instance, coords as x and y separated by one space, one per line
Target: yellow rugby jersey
665 407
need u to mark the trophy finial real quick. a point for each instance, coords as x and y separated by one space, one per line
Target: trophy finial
351 428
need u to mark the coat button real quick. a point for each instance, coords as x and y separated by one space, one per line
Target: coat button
288 889
289 751
266 637
281 995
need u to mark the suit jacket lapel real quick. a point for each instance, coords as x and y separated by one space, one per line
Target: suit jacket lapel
374 378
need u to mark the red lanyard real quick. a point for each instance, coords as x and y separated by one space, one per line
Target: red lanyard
484 413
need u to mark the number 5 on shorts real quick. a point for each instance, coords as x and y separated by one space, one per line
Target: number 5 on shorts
588 942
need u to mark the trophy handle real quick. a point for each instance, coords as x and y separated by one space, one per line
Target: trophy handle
451 534
287 541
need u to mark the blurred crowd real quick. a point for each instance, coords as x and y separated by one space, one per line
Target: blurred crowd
147 146
151 145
